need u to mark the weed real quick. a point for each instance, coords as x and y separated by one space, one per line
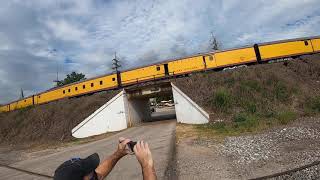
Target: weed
245 122
281 92
222 100
285 117
313 104
240 117
251 107
251 85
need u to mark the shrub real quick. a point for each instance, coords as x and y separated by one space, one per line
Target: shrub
285 117
240 117
245 123
281 92
313 104
222 99
251 107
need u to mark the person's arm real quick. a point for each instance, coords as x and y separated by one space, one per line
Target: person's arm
144 157
107 165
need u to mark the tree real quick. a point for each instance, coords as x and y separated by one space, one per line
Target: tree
71 78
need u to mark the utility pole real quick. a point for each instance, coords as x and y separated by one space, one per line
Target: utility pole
22 95
52 53
57 80
214 45
115 63
115 66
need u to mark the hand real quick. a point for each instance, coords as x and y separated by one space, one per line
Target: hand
122 147
143 154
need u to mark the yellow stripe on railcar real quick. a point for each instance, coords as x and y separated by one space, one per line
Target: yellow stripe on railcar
316 44
186 65
142 74
285 49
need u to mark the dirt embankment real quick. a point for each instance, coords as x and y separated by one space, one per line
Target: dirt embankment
49 123
247 98
264 119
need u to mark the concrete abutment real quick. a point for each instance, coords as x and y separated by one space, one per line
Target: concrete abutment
132 106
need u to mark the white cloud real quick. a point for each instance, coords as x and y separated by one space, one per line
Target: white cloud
89 32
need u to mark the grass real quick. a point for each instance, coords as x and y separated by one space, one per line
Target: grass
222 100
246 123
284 117
248 101
313 105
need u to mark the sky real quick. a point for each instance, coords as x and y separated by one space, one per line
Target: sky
37 37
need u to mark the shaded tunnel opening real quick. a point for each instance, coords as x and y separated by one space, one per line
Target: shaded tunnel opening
154 103
162 108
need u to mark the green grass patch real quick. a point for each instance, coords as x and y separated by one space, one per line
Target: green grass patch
313 104
247 123
284 117
222 100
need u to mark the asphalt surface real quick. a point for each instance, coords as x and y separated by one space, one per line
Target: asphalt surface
160 136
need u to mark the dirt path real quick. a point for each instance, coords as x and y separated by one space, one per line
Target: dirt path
160 136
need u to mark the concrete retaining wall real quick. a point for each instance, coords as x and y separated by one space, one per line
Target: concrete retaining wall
187 111
108 118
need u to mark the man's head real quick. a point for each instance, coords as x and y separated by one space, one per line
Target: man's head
77 168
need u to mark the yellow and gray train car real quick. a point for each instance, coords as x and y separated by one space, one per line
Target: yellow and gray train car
258 53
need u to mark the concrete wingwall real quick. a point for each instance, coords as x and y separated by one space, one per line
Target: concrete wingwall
117 114
108 118
187 111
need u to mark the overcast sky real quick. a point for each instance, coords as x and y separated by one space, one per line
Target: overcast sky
79 35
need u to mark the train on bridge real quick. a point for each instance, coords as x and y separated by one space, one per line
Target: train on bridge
256 54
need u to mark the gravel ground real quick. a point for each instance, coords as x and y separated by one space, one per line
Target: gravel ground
308 173
251 156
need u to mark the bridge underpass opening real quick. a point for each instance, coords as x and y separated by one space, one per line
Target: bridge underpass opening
148 104
132 106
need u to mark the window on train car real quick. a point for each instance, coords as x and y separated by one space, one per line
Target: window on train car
306 43
69 90
83 86
64 91
38 96
92 84
158 68
113 79
101 82
76 88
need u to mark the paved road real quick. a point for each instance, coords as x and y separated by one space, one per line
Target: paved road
160 136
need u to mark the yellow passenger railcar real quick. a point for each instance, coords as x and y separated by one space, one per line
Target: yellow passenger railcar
21 103
282 49
142 74
78 88
316 44
186 65
91 85
230 57
4 108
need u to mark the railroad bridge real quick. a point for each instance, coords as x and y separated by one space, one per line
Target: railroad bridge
132 106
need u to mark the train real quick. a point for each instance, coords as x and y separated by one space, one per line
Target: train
215 60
